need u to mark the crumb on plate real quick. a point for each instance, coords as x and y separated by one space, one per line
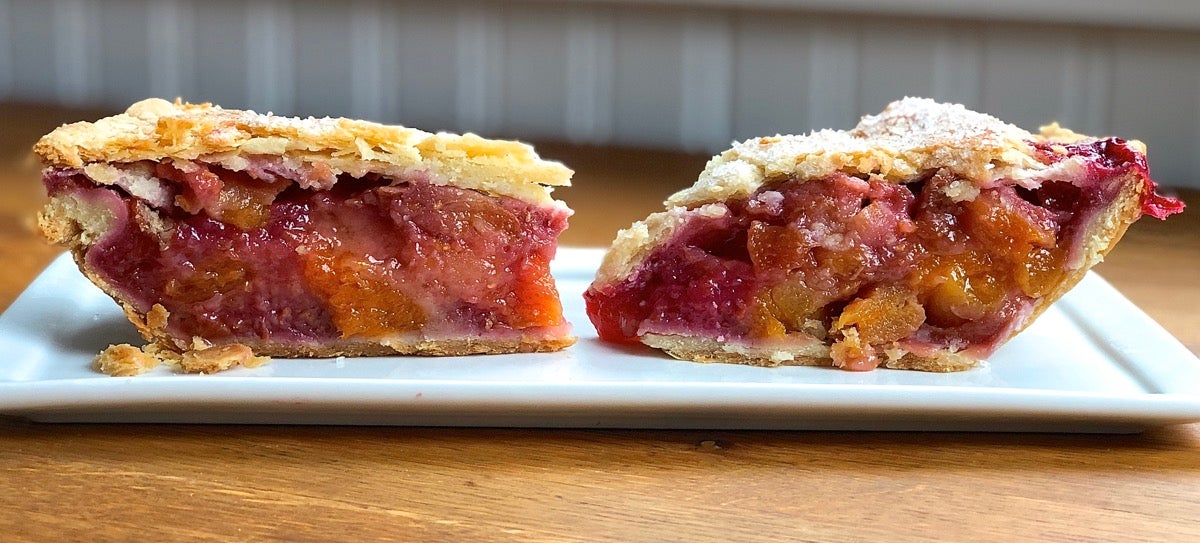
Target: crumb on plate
125 360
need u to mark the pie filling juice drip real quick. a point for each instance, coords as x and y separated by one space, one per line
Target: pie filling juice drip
240 259
868 265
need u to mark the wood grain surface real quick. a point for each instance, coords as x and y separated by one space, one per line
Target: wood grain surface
177 482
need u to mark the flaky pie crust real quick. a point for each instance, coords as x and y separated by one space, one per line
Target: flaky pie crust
155 129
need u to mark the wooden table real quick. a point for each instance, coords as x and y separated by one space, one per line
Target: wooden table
164 482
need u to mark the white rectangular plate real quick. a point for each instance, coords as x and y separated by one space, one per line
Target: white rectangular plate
1091 363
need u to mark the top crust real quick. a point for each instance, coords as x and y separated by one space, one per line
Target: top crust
909 137
155 129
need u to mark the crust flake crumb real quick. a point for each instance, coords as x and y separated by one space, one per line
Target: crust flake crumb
125 360
215 359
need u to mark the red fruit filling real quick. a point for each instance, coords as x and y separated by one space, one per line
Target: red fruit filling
254 260
871 264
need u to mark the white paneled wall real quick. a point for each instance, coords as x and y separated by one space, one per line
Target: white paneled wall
632 73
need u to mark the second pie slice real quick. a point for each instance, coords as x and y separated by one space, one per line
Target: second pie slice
309 237
922 239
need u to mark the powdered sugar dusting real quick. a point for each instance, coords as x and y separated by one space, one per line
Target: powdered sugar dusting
155 129
910 137
913 123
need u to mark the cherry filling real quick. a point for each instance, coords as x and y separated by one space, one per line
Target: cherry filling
251 260
868 265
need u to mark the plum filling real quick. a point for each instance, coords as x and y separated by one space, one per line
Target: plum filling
936 263
240 258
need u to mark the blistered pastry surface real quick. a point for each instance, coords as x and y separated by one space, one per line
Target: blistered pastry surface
909 137
156 129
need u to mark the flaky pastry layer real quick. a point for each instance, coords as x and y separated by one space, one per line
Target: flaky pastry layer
155 129
909 137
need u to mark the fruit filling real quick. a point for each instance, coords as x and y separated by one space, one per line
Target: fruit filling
934 263
235 257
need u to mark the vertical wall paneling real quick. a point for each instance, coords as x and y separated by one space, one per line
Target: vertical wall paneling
1073 73
76 51
6 64
1093 110
1155 99
323 66
664 75
427 56
390 88
894 64
589 74
32 45
270 74
480 67
221 67
957 63
1086 82
648 77
1190 177
707 81
535 64
771 75
170 56
124 71
833 72
366 81
1023 72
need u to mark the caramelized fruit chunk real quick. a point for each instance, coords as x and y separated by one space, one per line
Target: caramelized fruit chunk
884 315
959 288
792 304
535 300
364 302
232 197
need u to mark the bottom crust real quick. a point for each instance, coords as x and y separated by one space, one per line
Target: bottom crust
151 328
125 360
419 347
708 350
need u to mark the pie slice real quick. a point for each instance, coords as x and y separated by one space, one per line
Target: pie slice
309 237
922 239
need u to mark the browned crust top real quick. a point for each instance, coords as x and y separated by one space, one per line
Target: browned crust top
155 129
910 137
